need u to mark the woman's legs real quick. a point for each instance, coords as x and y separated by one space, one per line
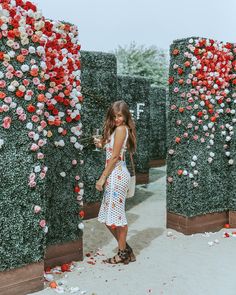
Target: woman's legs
121 235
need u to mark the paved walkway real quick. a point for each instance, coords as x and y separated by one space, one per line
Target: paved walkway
168 262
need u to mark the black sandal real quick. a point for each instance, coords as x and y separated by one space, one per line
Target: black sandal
131 253
121 257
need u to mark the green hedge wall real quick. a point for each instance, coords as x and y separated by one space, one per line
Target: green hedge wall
135 92
157 99
99 87
204 188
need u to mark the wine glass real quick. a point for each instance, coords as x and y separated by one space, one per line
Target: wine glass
97 135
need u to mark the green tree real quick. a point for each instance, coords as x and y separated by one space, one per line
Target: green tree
138 60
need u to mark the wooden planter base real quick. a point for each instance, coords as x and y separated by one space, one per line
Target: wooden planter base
63 253
142 178
23 280
91 210
198 224
157 163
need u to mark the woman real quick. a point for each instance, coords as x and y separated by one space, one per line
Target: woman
119 135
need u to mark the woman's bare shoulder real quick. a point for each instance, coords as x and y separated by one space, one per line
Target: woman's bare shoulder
121 129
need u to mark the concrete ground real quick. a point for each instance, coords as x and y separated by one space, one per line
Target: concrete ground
168 262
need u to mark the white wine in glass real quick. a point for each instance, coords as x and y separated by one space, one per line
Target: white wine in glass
97 135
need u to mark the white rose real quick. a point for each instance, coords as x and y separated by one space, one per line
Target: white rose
81 226
231 161
73 139
63 174
37 169
25 68
32 49
11 88
209 160
1 143
29 126
194 158
193 164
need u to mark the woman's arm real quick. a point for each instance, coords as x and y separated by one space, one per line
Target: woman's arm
119 139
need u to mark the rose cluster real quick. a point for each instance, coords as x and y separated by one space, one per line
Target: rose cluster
207 99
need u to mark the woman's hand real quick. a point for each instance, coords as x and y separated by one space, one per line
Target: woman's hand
100 183
97 142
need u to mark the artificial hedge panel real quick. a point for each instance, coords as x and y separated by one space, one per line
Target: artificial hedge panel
197 170
99 85
135 92
22 239
157 99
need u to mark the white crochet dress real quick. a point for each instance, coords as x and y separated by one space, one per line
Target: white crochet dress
112 210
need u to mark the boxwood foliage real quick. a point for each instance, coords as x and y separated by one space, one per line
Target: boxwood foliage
157 99
135 92
207 191
99 88
22 239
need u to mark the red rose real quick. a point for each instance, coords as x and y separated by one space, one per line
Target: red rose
31 108
177 139
81 214
180 71
171 80
68 119
175 51
65 267
19 93
77 189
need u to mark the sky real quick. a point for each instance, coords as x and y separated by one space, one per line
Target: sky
105 24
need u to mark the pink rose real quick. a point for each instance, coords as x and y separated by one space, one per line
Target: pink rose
8 99
185 134
6 122
34 147
18 74
74 162
5 108
195 137
41 142
170 179
31 134
26 83
40 156
32 184
77 177
32 176
22 117
43 124
35 118
2 84
36 81
16 46
9 75
42 175
42 223
176 89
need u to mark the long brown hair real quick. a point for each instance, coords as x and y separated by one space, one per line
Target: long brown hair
109 123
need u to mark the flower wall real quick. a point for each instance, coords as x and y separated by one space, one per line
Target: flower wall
22 129
64 187
40 102
135 91
99 84
157 98
201 120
